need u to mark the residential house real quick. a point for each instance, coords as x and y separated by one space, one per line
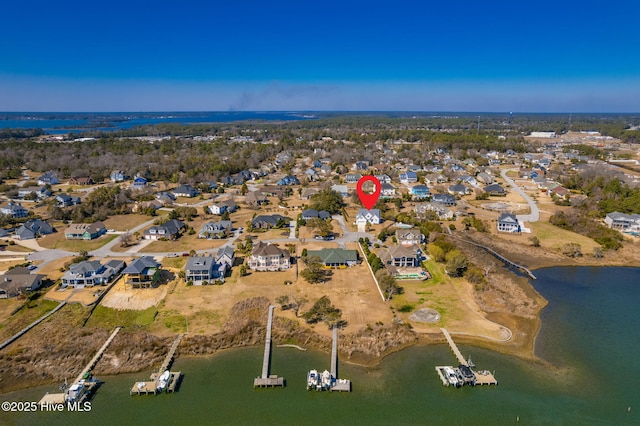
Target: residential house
85 231
387 190
90 273
311 175
325 169
439 209
166 198
341 189
459 189
33 229
256 198
169 230
82 181
65 200
230 181
139 182
559 191
352 177
383 178
205 270
118 176
49 178
365 216
186 191
269 221
276 191
19 281
400 256
288 180
307 193
223 206
140 206
420 191
335 257
444 199
495 189
408 177
142 272
409 237
623 222
485 178
435 178
508 222
468 179
269 257
211 230
309 214
361 165
34 192
226 254
15 210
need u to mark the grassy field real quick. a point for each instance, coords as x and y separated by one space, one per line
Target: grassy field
16 248
58 241
31 311
110 318
125 222
553 237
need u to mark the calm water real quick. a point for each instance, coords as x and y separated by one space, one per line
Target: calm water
588 332
63 123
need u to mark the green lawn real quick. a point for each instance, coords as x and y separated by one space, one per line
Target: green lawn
58 241
111 318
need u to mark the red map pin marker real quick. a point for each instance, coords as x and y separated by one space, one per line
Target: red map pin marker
368 200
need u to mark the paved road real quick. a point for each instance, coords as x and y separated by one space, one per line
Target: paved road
50 255
534 216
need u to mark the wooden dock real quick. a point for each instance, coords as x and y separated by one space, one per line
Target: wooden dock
98 355
151 386
482 377
55 398
266 379
169 358
454 347
338 385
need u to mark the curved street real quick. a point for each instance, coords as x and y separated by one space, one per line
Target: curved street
534 216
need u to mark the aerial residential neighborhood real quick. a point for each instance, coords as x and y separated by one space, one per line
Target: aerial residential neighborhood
186 250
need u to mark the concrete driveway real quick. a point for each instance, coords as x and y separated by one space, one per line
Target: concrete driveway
534 216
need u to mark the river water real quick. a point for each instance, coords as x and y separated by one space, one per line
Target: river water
588 334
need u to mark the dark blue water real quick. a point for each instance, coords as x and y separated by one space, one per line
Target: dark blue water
63 123
589 333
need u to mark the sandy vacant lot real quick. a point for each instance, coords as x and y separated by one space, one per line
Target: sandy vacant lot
125 297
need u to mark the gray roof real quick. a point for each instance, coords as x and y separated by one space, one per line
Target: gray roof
334 256
85 267
140 265
199 263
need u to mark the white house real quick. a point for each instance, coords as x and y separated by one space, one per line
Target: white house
508 222
365 216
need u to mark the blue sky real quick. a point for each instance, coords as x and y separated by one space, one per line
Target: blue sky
544 56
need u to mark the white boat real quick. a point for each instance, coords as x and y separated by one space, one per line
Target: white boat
326 380
163 380
76 391
451 376
313 379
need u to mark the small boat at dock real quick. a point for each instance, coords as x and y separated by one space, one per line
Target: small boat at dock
313 379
